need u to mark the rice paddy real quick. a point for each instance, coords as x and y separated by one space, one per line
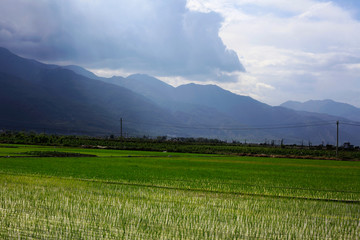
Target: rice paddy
161 195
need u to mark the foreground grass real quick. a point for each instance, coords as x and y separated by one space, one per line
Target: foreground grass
55 208
160 195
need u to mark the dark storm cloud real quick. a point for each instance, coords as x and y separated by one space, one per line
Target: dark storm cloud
159 37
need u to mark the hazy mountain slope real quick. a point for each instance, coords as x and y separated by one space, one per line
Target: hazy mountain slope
216 107
121 102
326 106
188 98
59 98
244 109
23 68
32 106
148 86
87 104
22 103
209 107
36 95
82 71
165 96
143 84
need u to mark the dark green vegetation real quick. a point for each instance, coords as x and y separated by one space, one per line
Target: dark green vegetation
184 145
152 195
56 154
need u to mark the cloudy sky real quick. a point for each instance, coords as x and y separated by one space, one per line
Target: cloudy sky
272 50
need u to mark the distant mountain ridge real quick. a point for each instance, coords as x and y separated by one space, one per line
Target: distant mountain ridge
326 106
35 95
207 102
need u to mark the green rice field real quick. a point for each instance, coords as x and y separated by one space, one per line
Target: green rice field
49 192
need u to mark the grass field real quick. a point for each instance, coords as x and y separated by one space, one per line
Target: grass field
162 195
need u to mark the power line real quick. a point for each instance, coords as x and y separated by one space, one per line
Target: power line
351 124
204 127
245 128
37 126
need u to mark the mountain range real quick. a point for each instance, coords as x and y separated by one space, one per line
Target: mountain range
327 106
72 100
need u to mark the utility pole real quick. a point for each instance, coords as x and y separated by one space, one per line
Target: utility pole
337 138
121 133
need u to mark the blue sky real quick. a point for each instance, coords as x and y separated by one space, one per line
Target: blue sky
271 50
350 5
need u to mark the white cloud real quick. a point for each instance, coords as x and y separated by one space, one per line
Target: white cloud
304 49
355 66
107 72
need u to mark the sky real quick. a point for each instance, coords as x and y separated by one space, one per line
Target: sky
271 50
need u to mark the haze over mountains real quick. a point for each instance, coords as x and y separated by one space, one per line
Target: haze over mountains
36 96
326 106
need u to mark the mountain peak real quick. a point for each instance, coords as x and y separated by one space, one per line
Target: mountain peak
148 80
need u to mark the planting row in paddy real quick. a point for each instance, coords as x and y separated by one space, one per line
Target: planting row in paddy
47 208
317 179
